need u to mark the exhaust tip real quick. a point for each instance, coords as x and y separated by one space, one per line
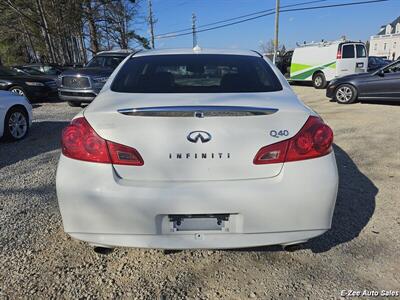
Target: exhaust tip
171 251
294 246
103 250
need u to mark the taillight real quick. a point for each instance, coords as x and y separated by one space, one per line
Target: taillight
124 155
313 140
271 154
339 53
80 141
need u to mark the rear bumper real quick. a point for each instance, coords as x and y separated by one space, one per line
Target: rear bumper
100 208
194 241
330 91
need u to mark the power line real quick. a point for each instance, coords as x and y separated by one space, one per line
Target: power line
335 5
272 13
217 27
239 17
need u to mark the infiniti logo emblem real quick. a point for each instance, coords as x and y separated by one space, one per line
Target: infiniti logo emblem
201 136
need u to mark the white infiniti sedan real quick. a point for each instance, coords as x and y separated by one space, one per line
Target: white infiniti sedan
15 116
196 149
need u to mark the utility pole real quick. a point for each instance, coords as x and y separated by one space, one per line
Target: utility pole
276 40
194 34
106 27
151 24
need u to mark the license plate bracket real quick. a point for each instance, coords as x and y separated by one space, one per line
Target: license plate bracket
200 222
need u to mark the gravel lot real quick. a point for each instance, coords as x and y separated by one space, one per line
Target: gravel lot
360 252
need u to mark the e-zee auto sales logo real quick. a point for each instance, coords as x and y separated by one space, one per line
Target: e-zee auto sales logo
369 293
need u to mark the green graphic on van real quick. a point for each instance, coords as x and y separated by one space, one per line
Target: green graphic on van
308 70
299 67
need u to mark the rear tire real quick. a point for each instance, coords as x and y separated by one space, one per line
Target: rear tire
345 94
16 124
74 104
319 81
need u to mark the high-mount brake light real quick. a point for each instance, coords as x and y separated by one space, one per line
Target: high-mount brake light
80 141
313 140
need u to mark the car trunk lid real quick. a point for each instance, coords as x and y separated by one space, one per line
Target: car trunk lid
209 137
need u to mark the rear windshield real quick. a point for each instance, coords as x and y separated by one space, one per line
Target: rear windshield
190 73
105 61
348 51
31 71
361 52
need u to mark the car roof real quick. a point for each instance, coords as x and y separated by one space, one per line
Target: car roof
121 52
197 50
39 65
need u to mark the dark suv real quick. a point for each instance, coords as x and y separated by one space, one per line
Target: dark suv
79 86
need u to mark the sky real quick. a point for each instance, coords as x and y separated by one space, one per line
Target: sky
356 22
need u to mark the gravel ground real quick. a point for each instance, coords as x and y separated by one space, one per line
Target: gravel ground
361 252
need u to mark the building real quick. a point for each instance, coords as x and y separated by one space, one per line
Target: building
387 41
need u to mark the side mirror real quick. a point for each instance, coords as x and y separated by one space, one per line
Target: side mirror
381 73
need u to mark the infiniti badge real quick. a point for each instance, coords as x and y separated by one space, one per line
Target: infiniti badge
201 136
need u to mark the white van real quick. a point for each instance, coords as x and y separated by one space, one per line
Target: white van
322 62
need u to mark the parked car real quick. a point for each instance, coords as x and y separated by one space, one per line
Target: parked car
386 59
48 69
376 62
77 86
15 116
32 87
320 63
27 71
383 84
167 157
22 70
72 66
